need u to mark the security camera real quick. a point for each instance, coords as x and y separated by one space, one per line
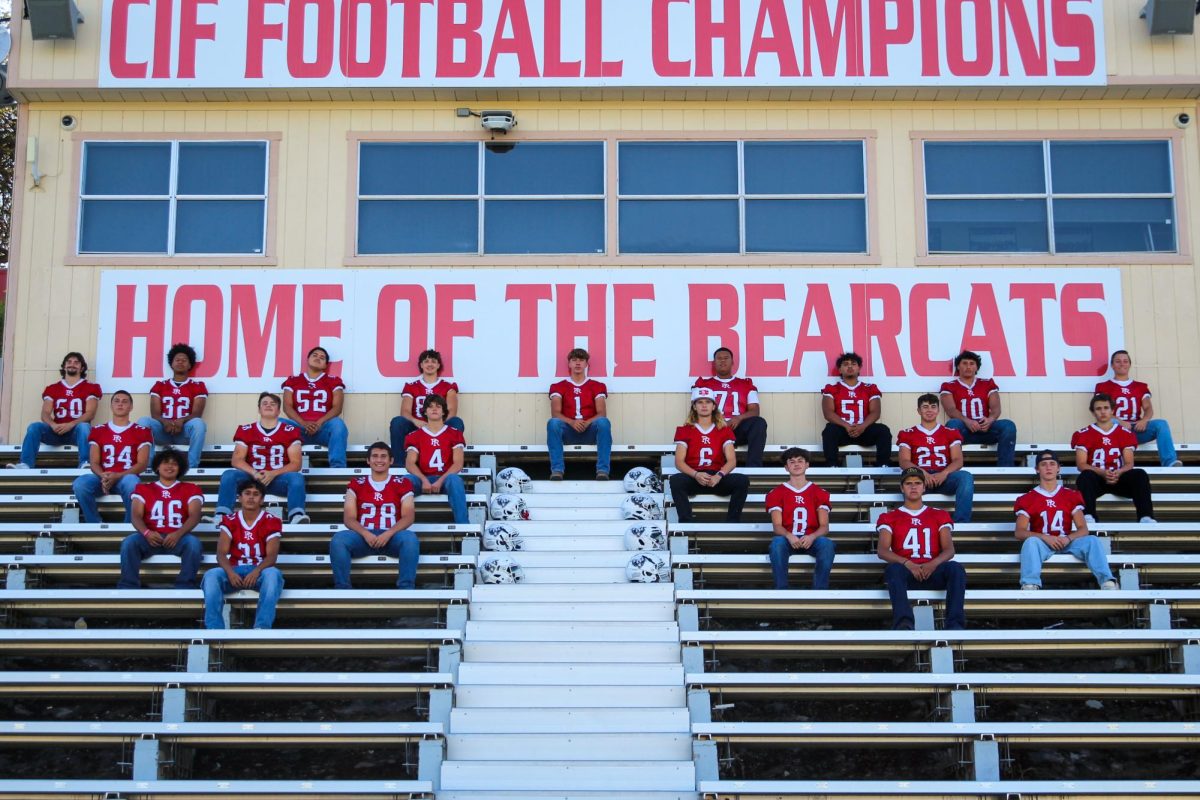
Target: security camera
68 122
497 121
1182 120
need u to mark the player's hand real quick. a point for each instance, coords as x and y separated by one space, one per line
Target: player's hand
153 538
793 540
427 487
985 424
1140 425
706 479
1111 476
235 580
733 422
936 479
971 424
60 428
854 431
915 570
1057 542
311 428
806 541
172 539
580 425
436 486
382 539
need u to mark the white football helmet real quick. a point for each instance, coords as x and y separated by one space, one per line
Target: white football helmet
641 479
648 568
507 506
646 536
500 569
501 536
641 506
513 481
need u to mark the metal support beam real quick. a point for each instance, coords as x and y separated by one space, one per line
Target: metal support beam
488 461
923 617
689 616
440 703
470 546
70 514
430 753
14 578
962 706
986 759
464 579
941 659
1129 578
456 616
477 515
693 658
43 545
704 756
700 706
198 655
683 579
1160 616
449 658
174 704
1189 661
678 545
145 758
854 461
866 486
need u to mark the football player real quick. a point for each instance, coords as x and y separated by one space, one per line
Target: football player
118 452
177 405
68 408
378 512
578 415
937 451
972 407
706 460
312 402
916 542
799 512
164 514
266 451
737 400
851 409
1134 410
247 548
1104 455
412 401
435 457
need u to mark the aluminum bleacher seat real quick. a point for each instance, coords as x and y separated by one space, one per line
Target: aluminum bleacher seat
213 790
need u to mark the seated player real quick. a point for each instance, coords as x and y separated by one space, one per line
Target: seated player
118 452
312 402
68 408
737 400
578 415
799 512
937 451
435 457
266 451
412 401
915 541
1050 520
1134 410
851 408
164 514
973 409
706 460
247 548
1104 454
177 406
377 513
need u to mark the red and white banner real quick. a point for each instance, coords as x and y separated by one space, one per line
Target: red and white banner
648 330
620 43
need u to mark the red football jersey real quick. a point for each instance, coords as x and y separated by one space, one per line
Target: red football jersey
579 400
250 539
266 450
418 390
177 399
733 395
435 451
119 446
971 401
1050 513
798 506
165 508
379 504
70 401
852 403
312 397
1128 398
930 449
705 449
915 534
1104 449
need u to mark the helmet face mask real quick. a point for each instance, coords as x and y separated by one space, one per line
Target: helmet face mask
646 536
500 569
641 506
512 480
507 507
648 568
500 536
642 480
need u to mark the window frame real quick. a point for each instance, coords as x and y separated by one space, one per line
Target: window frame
1173 139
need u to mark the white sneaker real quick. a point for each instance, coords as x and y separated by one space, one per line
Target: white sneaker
1148 521
299 518
1109 586
1176 463
17 465
1089 519
1030 587
212 519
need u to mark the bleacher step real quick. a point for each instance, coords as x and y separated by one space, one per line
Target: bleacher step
578 559
583 504
530 794
521 697
596 514
594 575
580 612
613 486
569 593
569 775
599 652
580 747
569 720
561 631
573 527
516 673
594 542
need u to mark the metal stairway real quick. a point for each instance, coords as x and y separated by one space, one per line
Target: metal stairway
571 684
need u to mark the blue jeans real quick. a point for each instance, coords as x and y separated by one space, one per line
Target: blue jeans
1088 549
88 489
598 433
949 575
289 485
39 433
332 434
216 584
193 433
961 484
455 491
400 428
135 548
1157 430
822 551
1002 433
346 545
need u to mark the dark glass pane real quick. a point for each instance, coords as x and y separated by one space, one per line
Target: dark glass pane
1114 226
679 226
127 168
1111 167
419 168
988 226
804 167
657 168
124 226
563 226
222 168
418 226
806 226
984 168
219 226
545 168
